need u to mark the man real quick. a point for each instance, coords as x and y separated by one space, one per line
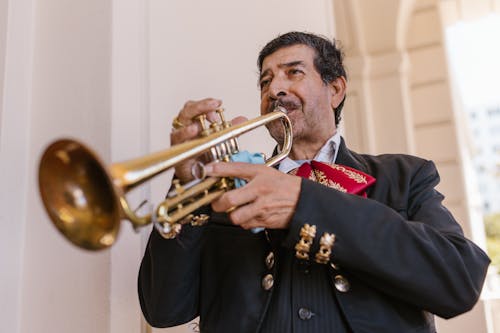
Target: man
374 251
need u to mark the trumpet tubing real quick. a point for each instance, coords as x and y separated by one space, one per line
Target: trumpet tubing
86 200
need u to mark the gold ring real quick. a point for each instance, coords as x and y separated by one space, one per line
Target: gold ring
176 124
231 209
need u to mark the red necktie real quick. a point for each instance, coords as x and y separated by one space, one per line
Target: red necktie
339 177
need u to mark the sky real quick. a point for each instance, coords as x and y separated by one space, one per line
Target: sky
474 51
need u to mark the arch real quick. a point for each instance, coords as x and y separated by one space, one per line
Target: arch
399 80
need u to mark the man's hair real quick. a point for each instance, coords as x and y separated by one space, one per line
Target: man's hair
327 61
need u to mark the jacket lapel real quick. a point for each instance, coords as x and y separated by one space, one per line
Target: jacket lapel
347 157
355 161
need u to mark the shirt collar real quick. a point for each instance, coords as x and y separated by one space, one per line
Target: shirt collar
327 153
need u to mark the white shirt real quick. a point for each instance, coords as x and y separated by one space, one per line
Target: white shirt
327 154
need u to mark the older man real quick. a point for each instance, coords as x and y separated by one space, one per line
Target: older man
352 243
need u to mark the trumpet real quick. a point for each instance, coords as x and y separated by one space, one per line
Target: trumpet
86 201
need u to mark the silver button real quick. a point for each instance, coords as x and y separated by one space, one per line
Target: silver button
270 260
305 314
341 283
267 281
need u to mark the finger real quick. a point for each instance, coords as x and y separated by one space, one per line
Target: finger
246 171
213 117
184 134
238 120
251 224
192 109
246 216
234 198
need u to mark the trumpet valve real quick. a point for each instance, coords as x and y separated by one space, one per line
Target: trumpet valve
202 120
225 124
215 127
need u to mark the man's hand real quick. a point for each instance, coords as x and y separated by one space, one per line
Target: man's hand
191 130
268 199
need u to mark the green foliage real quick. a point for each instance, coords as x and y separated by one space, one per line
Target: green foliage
492 227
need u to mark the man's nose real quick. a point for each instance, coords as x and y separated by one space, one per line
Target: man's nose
277 88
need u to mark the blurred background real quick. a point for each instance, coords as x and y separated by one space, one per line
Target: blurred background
423 78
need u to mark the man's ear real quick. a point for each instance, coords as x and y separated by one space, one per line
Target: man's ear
338 89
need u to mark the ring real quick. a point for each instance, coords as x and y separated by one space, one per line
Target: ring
176 124
231 209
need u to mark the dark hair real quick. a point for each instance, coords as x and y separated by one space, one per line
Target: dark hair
328 60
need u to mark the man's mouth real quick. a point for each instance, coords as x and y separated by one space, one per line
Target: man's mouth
289 106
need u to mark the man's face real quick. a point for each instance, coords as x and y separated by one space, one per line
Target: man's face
289 75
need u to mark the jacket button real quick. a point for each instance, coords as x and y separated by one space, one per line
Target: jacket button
305 314
270 260
267 282
341 283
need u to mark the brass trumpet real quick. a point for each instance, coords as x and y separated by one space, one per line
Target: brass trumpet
86 201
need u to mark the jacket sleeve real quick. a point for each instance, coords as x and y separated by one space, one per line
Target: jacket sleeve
418 254
169 278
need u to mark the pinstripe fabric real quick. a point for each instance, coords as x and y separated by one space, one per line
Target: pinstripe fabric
298 286
303 288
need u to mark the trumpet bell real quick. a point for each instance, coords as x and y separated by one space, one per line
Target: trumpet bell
86 200
78 194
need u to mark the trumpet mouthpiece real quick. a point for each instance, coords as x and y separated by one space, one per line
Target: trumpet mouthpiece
281 108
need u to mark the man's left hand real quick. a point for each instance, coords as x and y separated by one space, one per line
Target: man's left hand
268 199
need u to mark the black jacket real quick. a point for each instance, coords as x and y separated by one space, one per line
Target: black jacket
402 252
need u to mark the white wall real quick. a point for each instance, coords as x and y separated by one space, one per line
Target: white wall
14 145
3 37
56 83
70 97
112 74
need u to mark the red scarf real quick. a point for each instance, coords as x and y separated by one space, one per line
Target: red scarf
339 177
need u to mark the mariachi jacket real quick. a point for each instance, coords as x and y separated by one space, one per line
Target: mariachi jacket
402 252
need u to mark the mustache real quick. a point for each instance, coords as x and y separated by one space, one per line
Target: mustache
286 103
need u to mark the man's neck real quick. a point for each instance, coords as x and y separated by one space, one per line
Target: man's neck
307 150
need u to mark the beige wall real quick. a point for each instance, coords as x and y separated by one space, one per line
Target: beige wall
70 97
115 73
112 74
56 83
3 37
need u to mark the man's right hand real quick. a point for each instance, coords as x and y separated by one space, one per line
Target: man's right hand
192 130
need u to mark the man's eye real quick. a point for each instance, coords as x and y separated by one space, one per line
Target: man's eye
264 83
295 71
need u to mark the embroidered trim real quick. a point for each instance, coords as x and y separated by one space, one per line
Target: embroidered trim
325 250
302 248
357 177
321 178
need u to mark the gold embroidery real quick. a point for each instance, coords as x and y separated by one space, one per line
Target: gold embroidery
321 178
307 233
325 250
312 176
357 177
